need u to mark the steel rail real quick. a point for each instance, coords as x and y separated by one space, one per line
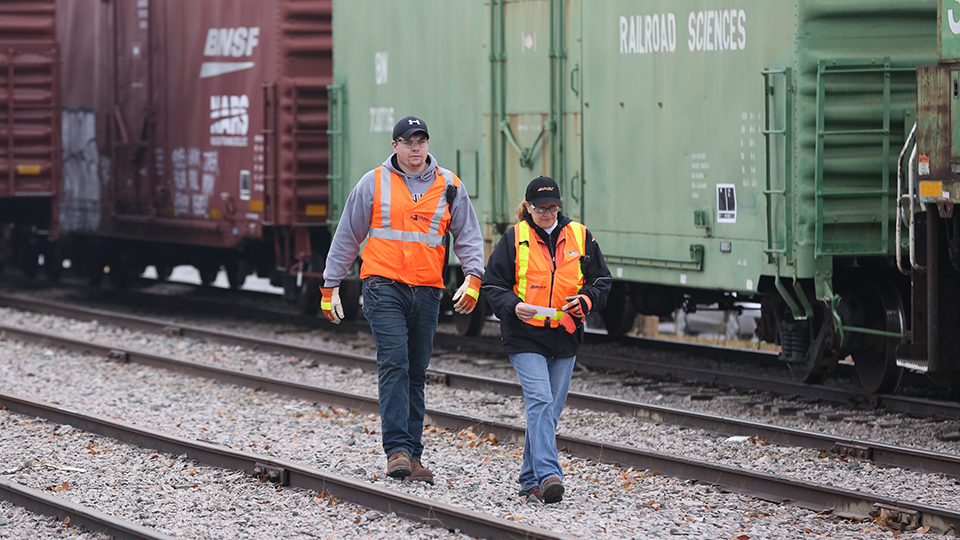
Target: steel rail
881 453
427 511
89 518
767 487
890 402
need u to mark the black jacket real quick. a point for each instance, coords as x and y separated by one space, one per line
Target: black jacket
500 277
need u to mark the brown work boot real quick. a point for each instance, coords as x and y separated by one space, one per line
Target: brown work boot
398 465
552 490
534 492
420 473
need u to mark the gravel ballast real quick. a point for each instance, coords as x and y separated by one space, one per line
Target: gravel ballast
473 472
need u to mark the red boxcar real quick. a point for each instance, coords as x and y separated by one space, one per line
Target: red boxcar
29 134
196 133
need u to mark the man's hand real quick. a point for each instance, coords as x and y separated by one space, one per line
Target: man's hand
331 305
465 299
578 305
525 312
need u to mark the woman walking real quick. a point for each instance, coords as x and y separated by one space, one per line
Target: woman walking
543 278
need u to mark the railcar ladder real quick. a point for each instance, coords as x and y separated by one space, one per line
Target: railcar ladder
777 249
853 216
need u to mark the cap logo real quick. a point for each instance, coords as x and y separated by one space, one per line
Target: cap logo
547 188
413 121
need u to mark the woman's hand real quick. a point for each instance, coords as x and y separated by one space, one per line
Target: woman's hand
525 312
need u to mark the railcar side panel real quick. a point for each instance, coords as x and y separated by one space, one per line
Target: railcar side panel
29 115
211 118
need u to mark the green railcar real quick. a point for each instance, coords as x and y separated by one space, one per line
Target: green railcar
719 151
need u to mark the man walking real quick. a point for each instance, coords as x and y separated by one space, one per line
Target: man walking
404 209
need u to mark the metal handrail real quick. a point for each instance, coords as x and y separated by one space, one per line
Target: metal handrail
900 198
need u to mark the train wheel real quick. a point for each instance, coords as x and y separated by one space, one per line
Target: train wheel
237 272
164 271
875 360
53 263
30 260
208 274
308 301
472 323
811 355
619 314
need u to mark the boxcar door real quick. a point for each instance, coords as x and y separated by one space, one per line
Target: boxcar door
132 121
536 117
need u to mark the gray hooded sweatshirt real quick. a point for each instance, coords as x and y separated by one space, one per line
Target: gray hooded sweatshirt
357 212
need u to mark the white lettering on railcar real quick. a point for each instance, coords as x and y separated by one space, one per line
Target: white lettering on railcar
642 34
954 24
717 30
231 120
380 66
381 119
235 42
229 42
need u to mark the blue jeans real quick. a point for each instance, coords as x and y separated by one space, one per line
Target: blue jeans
404 320
545 382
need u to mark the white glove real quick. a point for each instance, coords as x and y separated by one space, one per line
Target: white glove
331 305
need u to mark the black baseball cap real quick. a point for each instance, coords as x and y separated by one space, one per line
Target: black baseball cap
409 125
543 190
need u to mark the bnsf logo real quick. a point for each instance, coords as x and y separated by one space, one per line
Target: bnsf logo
235 42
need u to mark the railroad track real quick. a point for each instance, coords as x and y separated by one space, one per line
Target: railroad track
281 472
769 487
593 360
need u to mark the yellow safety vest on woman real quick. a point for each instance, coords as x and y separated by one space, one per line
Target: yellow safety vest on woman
541 281
406 239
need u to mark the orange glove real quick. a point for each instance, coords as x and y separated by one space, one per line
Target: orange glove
579 306
568 323
465 299
331 305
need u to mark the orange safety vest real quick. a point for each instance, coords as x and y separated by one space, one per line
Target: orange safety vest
542 282
406 239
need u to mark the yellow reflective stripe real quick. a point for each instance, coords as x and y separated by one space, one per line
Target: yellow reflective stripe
578 236
556 316
473 293
523 257
325 305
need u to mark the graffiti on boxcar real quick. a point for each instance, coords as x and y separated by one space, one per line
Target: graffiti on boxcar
83 171
194 177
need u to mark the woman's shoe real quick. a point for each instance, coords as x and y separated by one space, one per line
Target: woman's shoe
532 492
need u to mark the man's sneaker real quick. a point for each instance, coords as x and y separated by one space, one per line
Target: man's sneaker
398 465
534 492
552 490
420 473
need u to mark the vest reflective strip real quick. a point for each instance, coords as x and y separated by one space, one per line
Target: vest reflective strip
385 183
578 237
432 238
523 259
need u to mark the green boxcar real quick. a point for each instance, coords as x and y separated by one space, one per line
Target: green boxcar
719 151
